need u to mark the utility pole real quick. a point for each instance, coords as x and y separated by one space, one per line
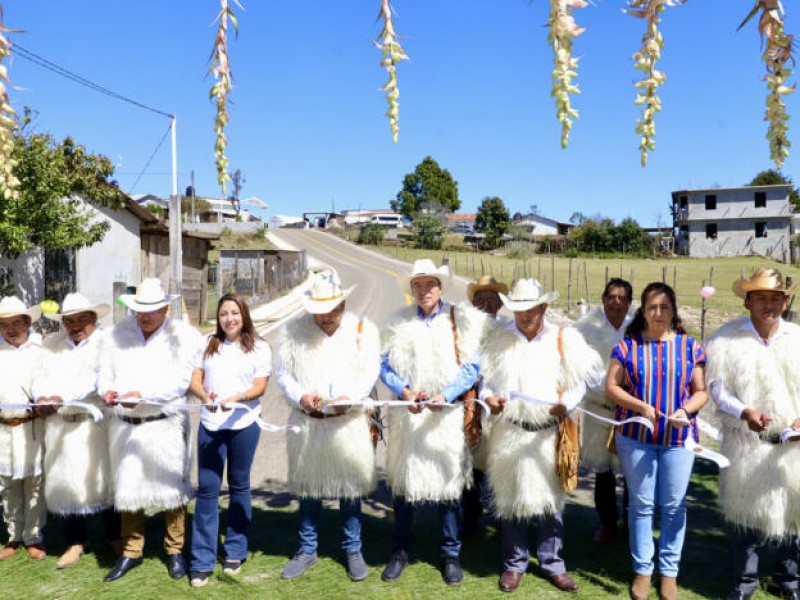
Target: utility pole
175 246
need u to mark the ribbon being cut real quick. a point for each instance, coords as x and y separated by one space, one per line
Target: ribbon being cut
90 408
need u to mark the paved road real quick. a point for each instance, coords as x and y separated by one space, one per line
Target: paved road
376 297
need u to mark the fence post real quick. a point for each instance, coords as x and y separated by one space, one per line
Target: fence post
664 274
633 276
553 273
703 316
569 286
586 283
606 283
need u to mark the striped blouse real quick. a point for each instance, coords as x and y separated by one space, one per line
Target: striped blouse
660 373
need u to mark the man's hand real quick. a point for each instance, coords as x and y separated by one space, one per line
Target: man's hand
45 411
795 427
127 395
496 404
437 399
413 396
309 403
340 409
559 410
110 398
755 420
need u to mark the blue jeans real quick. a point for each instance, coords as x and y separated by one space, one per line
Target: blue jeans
549 546
213 448
448 516
656 476
350 509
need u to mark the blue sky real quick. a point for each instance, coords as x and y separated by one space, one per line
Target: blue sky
308 127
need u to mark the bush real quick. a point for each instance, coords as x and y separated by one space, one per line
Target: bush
571 252
370 234
520 250
428 232
455 243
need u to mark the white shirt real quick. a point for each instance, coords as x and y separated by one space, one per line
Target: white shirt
571 397
231 372
724 398
71 375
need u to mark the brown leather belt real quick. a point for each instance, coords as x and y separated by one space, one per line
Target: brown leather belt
531 427
17 421
76 417
770 438
140 420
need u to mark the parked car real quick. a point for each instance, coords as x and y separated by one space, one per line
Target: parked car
466 229
388 220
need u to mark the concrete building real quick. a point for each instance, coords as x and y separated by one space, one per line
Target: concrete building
740 221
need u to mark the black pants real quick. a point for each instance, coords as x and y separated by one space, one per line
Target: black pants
472 503
76 530
744 555
605 498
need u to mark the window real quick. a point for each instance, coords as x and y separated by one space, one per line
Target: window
711 201
761 229
761 199
711 231
684 202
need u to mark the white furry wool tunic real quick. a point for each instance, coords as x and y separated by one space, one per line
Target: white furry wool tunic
332 457
150 462
601 336
761 488
521 465
427 456
76 458
20 446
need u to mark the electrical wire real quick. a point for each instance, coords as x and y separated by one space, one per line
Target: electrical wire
51 66
149 160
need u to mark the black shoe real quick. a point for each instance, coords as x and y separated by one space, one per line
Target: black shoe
124 564
397 562
452 571
790 594
176 566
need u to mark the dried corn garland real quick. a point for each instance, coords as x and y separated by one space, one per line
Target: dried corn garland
777 56
646 58
393 53
221 68
563 30
8 181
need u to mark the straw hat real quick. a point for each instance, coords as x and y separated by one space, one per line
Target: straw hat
78 303
325 294
424 267
485 282
526 294
149 296
763 280
11 306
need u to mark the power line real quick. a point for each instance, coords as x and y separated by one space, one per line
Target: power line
147 164
51 66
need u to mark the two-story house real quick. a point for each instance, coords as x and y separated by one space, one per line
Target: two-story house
741 221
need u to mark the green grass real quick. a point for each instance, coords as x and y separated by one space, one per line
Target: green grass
601 571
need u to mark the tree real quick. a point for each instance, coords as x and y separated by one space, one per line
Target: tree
429 188
237 180
428 232
773 177
48 212
492 220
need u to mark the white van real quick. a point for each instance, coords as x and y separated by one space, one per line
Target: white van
388 220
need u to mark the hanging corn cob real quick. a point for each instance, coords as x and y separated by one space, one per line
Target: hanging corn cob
646 58
563 30
392 54
8 181
221 69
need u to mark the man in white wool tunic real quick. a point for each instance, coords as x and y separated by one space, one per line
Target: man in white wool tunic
754 379
146 365
602 329
76 460
429 354
535 358
21 432
327 356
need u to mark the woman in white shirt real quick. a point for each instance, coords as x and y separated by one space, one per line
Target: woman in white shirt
235 368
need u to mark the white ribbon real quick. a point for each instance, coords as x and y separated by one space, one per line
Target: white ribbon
708 429
788 434
90 408
640 420
370 403
703 452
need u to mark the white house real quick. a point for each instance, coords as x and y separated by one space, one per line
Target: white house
741 221
539 225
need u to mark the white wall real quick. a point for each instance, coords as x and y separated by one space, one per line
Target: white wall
116 258
28 275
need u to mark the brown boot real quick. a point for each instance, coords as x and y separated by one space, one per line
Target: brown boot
70 557
9 550
668 588
640 588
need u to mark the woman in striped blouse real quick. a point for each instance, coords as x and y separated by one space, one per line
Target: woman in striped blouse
656 372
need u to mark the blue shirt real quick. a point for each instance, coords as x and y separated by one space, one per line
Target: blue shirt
467 373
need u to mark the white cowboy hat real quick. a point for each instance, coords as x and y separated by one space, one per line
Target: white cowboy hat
485 282
424 267
78 303
526 294
325 294
149 296
763 280
11 306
